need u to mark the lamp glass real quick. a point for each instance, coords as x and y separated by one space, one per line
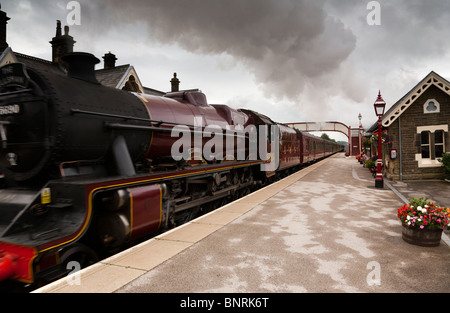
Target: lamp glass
379 108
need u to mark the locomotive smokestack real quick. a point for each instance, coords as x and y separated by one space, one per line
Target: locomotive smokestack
82 66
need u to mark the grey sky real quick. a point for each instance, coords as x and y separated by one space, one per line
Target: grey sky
294 60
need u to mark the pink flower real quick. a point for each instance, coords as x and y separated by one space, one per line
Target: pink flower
421 226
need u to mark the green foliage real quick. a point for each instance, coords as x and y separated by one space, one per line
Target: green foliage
416 202
326 137
446 161
370 163
366 143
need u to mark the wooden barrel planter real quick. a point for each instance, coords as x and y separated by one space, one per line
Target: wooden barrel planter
422 237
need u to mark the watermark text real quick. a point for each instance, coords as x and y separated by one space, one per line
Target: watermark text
74 15
374 16
374 276
212 143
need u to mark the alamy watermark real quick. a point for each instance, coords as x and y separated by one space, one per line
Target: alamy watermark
74 15
374 276
374 16
74 276
234 143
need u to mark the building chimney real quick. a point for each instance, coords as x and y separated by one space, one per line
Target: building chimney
175 83
61 44
3 21
110 60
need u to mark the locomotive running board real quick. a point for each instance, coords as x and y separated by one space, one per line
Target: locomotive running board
12 203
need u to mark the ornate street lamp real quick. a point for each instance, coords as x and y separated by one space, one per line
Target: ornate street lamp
379 106
360 134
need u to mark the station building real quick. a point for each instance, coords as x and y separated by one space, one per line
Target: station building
417 131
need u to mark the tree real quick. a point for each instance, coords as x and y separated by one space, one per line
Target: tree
326 137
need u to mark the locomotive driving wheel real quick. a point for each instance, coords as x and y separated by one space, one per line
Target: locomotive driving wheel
77 257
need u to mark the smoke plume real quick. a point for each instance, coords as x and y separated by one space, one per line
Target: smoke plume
283 43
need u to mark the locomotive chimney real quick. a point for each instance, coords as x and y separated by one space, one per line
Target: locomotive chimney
110 60
81 66
3 22
175 83
61 44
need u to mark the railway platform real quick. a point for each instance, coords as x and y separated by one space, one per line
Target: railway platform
324 229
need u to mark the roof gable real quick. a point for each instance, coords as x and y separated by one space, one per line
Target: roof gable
130 81
404 103
7 57
120 77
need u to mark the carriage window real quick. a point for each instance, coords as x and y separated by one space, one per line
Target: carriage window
439 143
425 144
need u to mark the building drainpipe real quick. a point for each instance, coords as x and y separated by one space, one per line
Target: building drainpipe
400 147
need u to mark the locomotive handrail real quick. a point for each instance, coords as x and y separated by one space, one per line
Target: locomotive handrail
125 117
239 134
136 127
78 111
161 129
15 92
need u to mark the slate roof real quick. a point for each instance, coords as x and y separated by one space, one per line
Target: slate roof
39 64
111 77
107 77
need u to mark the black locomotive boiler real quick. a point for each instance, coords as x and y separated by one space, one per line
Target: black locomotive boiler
88 170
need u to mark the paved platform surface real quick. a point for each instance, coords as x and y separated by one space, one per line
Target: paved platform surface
323 229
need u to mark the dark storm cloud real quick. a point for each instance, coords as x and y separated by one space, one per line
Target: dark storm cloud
283 43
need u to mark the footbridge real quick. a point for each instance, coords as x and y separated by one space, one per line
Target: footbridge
354 135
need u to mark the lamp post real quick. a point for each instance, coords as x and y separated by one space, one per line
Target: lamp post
360 134
379 106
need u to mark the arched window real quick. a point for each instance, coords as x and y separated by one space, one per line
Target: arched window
132 85
431 106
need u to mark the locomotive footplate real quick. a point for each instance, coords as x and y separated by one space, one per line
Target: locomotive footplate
33 223
105 216
12 202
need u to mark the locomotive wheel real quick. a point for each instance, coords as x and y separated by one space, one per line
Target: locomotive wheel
212 186
186 216
79 253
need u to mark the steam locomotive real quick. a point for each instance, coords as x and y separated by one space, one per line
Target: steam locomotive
88 170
